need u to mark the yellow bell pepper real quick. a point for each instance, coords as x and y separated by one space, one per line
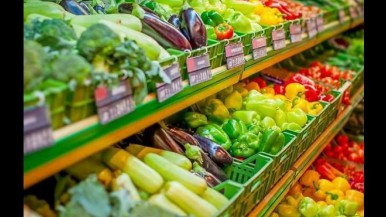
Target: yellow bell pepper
356 196
274 214
259 9
294 199
314 108
268 90
341 183
294 90
240 87
281 96
333 196
234 101
253 86
301 103
310 178
286 210
322 203
322 187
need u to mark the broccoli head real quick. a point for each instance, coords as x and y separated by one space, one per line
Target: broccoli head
66 67
35 62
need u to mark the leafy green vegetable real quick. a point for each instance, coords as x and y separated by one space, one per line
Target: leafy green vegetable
80 69
35 64
121 202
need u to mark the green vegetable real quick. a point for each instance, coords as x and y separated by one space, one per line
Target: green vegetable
297 116
79 71
35 64
171 172
254 95
256 127
264 107
211 18
279 144
188 201
268 122
244 7
163 202
45 8
234 128
171 3
240 23
215 133
248 117
123 182
224 93
215 198
195 119
268 139
233 101
216 110
210 32
308 207
193 152
346 207
120 201
246 145
126 20
280 118
291 126
326 211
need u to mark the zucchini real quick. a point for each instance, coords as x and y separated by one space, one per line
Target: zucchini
84 168
188 201
123 181
215 198
148 44
48 9
126 20
163 202
171 172
142 175
140 151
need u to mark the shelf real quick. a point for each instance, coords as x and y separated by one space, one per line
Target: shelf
84 138
278 192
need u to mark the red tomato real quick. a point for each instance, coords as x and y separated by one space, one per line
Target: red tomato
353 157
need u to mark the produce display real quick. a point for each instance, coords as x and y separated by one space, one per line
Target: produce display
217 155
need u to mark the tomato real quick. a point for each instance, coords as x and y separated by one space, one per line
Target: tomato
353 157
342 139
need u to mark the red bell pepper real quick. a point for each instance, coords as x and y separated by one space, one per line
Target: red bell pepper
312 93
260 81
327 98
279 89
342 139
223 31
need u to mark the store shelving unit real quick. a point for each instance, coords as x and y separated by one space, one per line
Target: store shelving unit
86 137
278 192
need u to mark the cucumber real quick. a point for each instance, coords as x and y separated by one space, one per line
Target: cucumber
215 198
142 175
171 172
123 181
148 44
188 201
163 202
126 20
48 9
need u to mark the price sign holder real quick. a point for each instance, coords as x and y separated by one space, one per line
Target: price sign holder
164 90
320 23
234 54
198 68
278 38
295 32
311 27
259 46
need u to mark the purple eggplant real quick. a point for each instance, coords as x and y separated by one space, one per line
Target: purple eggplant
73 7
163 32
192 26
175 21
181 136
210 179
161 139
216 152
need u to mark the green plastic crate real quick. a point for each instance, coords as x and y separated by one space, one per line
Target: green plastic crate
319 117
282 161
331 16
55 95
232 191
357 81
253 173
80 103
333 108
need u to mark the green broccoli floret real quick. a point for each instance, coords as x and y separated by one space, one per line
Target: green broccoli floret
67 67
35 64
96 43
54 33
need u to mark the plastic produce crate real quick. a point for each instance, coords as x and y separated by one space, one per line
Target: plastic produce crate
55 95
253 173
80 103
332 109
330 16
321 116
282 161
232 191
357 81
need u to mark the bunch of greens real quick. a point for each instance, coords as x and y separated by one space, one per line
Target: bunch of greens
103 48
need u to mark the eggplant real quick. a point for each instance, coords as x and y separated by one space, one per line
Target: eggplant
161 139
216 152
210 179
127 8
175 21
212 167
73 7
181 136
192 27
163 32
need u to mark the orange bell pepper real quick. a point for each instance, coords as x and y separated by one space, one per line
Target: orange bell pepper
253 86
310 178
297 188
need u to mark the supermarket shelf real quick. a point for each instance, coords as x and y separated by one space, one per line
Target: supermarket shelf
278 192
84 138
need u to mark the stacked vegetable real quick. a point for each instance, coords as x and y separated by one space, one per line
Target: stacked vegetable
312 196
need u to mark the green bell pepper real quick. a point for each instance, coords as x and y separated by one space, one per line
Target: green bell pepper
268 122
234 128
195 119
171 3
216 110
265 107
246 145
346 207
210 32
216 133
280 118
326 211
255 127
254 95
240 23
228 13
308 207
298 116
268 139
233 101
211 18
278 145
247 117
244 7
291 126
193 152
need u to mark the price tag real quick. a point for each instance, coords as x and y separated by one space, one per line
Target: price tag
115 102
37 129
342 14
199 76
319 23
278 38
311 28
198 69
295 32
234 54
259 47
353 12
164 90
